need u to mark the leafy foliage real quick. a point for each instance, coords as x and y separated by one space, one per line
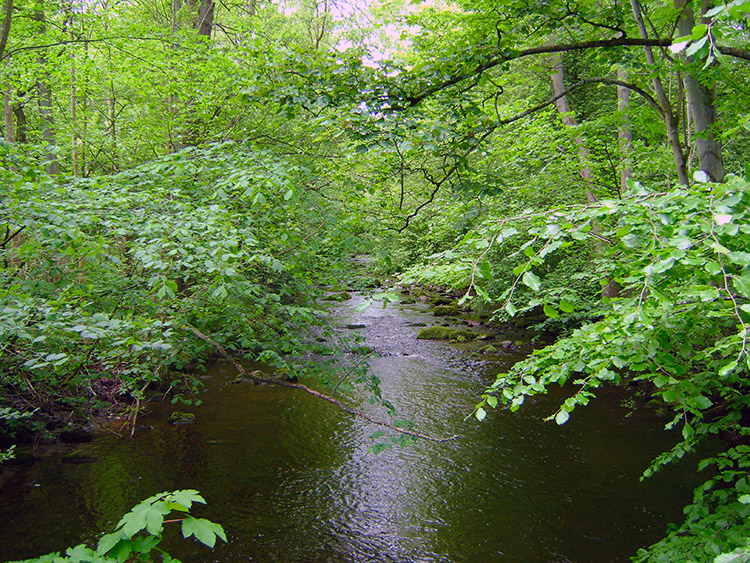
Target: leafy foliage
100 275
679 327
140 531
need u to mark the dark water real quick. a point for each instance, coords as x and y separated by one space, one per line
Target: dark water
290 479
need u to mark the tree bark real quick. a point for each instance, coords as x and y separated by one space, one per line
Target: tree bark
73 103
6 22
21 122
203 22
44 94
673 133
624 133
558 86
10 129
701 103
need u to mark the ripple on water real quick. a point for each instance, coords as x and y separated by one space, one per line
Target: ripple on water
291 479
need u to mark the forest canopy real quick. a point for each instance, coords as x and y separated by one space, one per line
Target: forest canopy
215 166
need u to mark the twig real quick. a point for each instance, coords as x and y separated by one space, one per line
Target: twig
309 391
109 429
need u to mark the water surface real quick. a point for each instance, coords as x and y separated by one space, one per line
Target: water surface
290 477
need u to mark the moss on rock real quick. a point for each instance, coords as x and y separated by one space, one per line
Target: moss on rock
444 333
445 310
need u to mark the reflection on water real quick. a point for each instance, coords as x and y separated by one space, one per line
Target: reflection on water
290 478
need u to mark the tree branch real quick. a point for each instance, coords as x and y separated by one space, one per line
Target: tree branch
500 58
309 391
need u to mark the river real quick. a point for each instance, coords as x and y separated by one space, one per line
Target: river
291 480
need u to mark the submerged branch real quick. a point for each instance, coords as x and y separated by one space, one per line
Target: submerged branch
313 392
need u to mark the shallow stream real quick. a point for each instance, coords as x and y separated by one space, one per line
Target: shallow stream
291 480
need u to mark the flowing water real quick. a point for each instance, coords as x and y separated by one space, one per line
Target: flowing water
291 480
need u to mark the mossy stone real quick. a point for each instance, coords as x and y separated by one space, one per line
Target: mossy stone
445 310
181 418
444 333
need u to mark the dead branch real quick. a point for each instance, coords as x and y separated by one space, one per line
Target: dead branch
313 392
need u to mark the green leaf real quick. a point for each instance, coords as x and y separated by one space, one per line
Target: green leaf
219 292
79 554
107 542
145 544
699 31
566 306
204 530
720 248
661 380
550 311
742 284
531 280
492 401
481 414
510 309
485 270
562 417
185 498
689 52
482 293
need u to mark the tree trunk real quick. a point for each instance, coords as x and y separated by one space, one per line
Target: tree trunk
670 122
202 12
7 16
112 124
10 128
73 103
44 93
21 122
205 23
558 86
624 133
702 104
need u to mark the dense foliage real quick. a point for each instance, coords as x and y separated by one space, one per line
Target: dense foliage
100 276
173 165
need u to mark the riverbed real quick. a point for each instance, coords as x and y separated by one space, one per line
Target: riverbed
291 479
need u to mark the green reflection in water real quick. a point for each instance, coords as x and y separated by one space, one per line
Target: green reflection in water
290 479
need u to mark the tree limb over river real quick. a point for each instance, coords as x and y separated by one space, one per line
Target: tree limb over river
271 381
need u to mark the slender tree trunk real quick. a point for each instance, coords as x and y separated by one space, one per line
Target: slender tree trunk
624 133
563 107
73 104
701 103
203 24
558 86
10 128
7 16
671 124
21 122
173 144
85 110
112 124
44 93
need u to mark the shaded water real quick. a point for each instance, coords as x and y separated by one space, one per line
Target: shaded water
290 478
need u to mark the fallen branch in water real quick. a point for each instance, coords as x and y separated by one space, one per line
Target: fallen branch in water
312 392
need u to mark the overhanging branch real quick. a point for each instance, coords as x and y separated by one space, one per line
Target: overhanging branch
313 392
500 58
